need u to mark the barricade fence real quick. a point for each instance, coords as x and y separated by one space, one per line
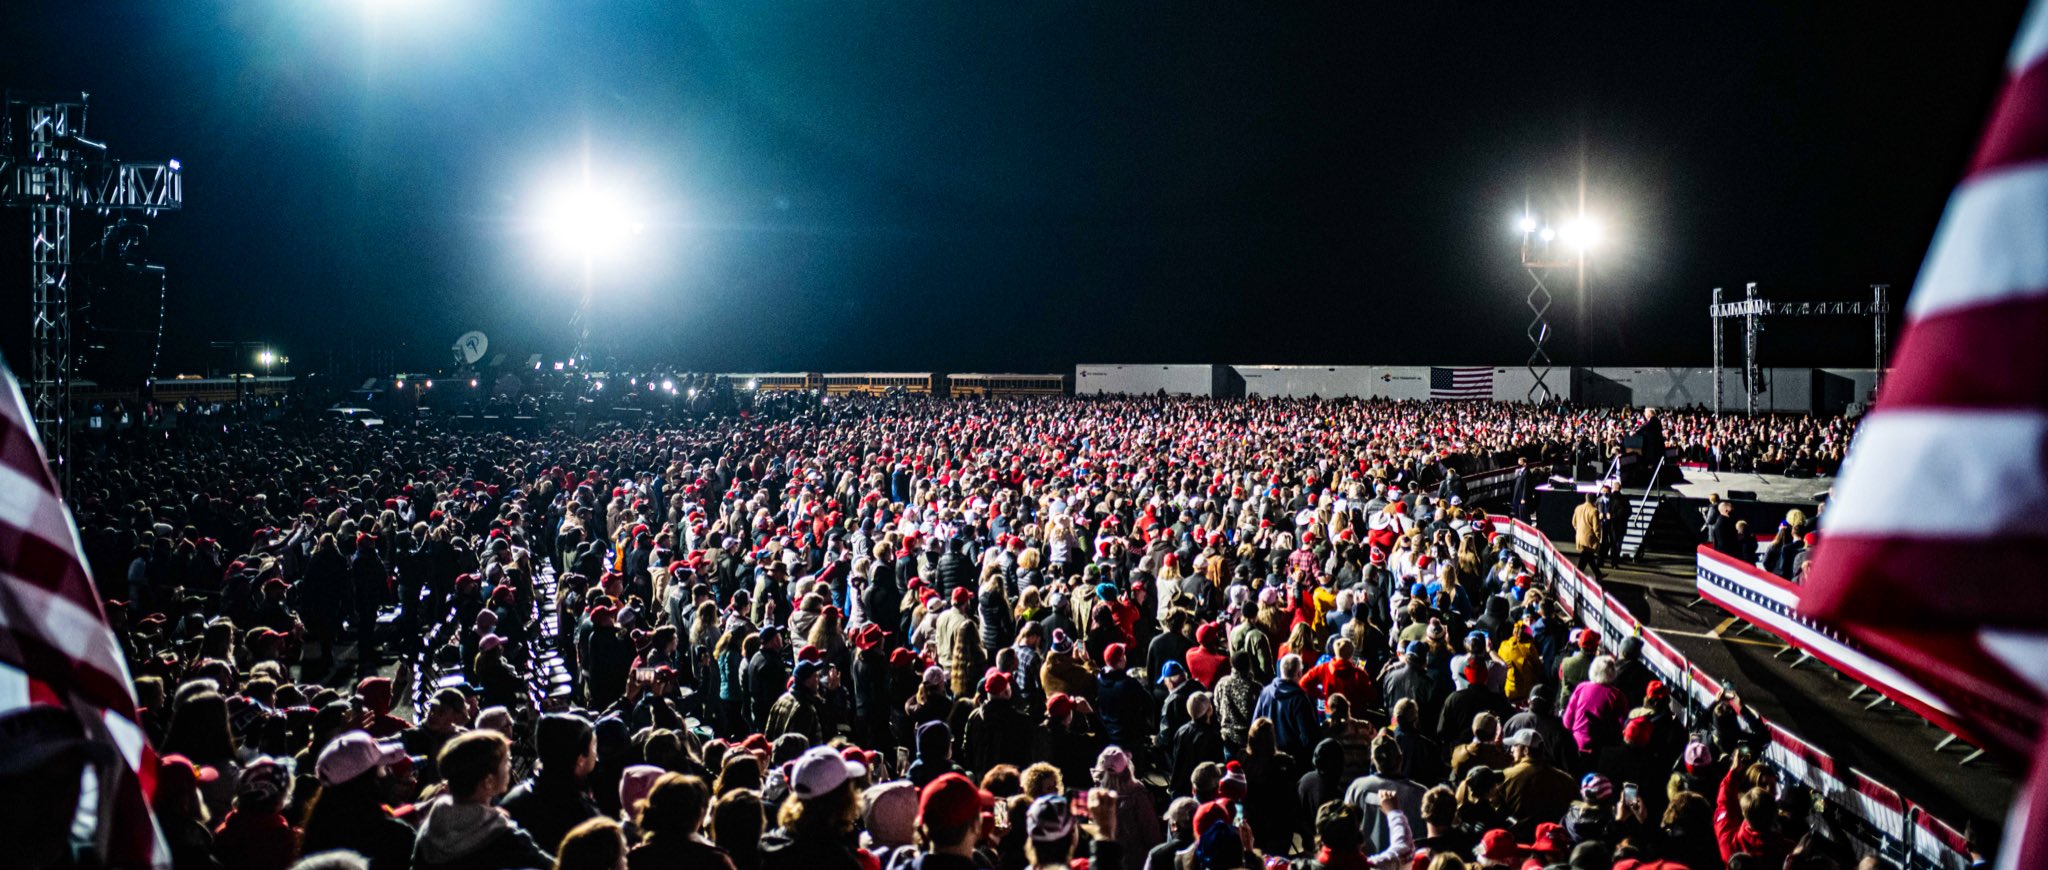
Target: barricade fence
1771 602
1875 818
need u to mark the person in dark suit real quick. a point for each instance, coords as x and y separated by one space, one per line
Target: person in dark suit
1649 438
1524 491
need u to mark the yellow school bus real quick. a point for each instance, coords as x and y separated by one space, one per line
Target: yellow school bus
775 382
876 383
1005 385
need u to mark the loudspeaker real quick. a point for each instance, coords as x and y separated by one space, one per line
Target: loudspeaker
1742 495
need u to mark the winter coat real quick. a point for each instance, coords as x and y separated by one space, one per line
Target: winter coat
466 836
765 676
1126 709
548 807
1525 667
1064 672
1193 744
1594 715
780 849
1342 677
996 733
1296 725
795 713
1236 695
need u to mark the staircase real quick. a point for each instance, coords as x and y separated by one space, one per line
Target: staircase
1642 515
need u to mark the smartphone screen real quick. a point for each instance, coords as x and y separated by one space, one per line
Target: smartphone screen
1629 791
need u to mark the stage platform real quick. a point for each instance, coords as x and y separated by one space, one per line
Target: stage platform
1698 484
1769 488
1761 499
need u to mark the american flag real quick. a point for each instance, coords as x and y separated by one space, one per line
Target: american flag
55 646
1930 549
1460 382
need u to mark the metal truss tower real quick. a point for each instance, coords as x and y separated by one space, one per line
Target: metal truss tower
1542 265
50 168
1751 311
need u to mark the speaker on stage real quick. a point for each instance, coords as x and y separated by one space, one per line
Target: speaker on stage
1742 495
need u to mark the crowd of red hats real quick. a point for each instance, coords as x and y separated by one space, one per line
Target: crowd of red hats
880 632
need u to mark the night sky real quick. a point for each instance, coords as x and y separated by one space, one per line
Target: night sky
977 186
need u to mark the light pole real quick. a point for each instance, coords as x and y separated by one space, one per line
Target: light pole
585 221
1547 250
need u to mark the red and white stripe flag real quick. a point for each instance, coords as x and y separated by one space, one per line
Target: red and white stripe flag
55 646
1931 552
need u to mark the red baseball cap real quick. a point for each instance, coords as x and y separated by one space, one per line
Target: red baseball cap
952 801
1060 704
1499 845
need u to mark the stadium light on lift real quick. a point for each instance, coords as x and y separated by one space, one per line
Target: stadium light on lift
589 222
1582 233
1527 224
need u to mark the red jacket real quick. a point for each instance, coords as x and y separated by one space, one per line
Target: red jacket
1342 677
249 842
1735 835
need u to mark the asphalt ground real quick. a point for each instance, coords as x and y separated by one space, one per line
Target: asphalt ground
1885 742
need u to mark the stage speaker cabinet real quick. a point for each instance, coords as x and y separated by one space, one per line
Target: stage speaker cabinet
1742 495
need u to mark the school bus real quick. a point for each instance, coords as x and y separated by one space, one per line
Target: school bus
774 382
876 383
1005 385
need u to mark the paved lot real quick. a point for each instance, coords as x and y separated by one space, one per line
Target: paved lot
1812 701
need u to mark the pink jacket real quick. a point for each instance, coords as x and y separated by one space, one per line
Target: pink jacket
1594 715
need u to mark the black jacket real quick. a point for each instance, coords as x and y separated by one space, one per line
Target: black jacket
955 571
765 677
1193 744
996 733
1126 709
883 601
779 849
548 807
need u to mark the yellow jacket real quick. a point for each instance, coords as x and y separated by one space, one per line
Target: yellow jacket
1525 666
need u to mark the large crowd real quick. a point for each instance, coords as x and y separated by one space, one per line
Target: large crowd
898 632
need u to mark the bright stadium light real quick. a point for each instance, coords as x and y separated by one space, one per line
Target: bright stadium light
1548 234
585 221
1582 233
1527 224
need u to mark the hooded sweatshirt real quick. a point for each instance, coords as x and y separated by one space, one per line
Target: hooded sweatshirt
465 836
1323 784
1207 662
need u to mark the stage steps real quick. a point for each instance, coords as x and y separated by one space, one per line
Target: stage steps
1642 517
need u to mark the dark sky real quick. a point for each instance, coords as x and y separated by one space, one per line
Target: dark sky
981 186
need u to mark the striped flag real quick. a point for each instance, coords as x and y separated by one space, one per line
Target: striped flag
1930 552
55 646
1456 383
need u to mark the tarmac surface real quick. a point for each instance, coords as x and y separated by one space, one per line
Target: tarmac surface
1886 742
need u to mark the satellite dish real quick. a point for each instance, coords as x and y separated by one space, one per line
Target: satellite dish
471 347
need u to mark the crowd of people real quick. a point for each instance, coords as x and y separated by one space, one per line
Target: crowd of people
1153 634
